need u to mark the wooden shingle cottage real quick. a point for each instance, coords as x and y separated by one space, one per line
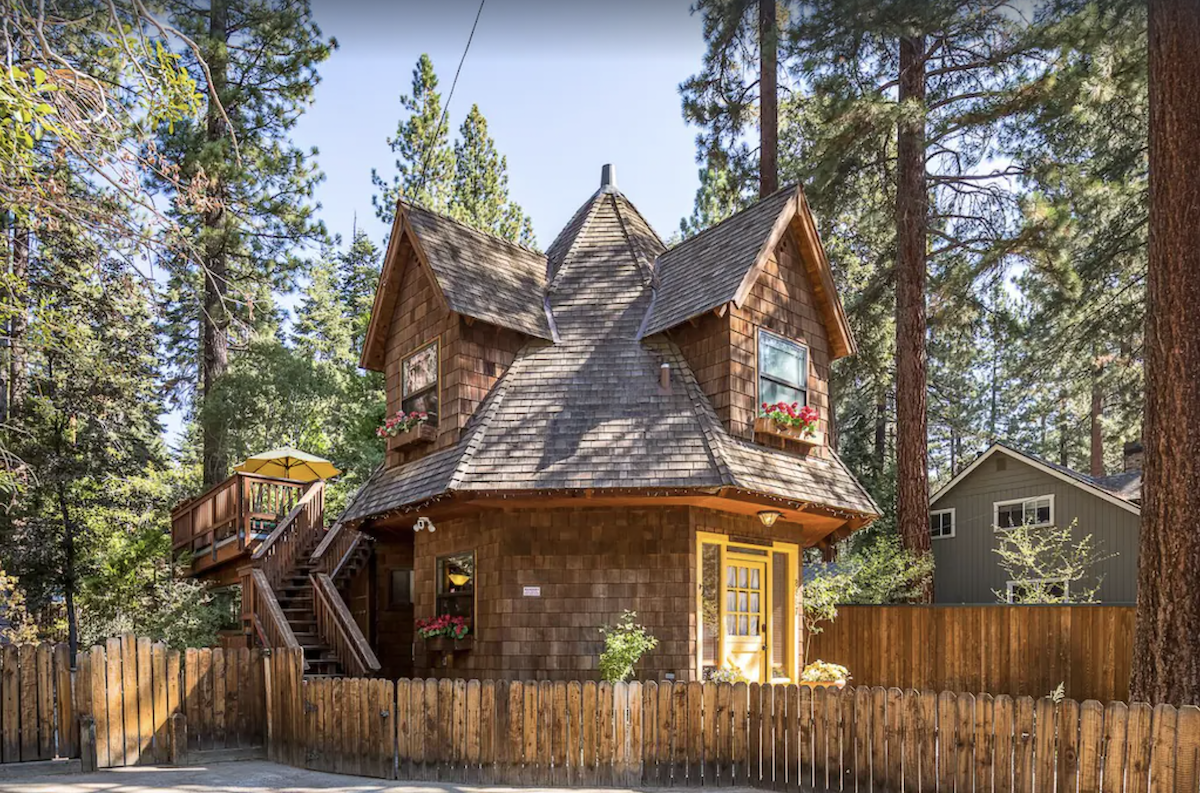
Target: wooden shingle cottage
594 444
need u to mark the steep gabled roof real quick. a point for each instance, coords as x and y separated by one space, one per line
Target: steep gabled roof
1114 492
721 264
473 273
587 412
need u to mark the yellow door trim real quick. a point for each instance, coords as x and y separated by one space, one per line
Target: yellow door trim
792 553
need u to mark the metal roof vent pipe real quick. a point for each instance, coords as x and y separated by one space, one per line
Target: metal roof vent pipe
608 178
664 379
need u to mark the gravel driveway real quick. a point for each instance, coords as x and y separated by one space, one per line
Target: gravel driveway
250 776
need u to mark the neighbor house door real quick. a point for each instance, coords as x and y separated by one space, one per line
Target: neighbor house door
746 615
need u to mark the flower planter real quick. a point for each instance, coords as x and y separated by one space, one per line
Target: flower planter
767 426
447 644
422 433
838 684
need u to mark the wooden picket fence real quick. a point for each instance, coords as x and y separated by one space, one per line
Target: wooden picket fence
784 737
131 690
37 719
1015 650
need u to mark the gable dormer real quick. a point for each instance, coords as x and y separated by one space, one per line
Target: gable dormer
752 304
452 309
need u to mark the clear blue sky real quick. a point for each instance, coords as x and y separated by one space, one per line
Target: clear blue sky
566 86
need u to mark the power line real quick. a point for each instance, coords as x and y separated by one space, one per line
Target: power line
449 97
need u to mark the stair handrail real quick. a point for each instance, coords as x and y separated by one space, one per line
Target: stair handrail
338 546
269 621
279 553
337 628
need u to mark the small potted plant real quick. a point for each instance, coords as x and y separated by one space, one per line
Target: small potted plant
403 429
820 673
789 421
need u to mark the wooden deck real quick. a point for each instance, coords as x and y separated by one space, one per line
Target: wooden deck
227 522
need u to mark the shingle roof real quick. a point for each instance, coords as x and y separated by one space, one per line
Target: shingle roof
705 271
483 276
1127 485
587 411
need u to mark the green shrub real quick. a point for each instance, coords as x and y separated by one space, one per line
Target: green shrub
624 645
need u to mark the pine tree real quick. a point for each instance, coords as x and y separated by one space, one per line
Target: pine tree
1166 654
479 195
424 160
248 196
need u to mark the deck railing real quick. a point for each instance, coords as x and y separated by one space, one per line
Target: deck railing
337 628
303 527
261 610
231 517
338 546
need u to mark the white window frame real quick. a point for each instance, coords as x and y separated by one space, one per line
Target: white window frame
953 523
1066 584
758 375
1009 502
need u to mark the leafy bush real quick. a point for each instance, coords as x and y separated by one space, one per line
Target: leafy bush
823 672
624 645
1049 565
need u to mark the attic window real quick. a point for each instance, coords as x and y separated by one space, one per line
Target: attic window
419 382
782 369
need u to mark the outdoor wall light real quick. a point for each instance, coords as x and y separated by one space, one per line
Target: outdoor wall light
424 523
769 516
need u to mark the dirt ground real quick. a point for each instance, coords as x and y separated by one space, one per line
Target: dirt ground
250 776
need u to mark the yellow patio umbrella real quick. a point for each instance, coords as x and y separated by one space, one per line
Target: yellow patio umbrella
288 463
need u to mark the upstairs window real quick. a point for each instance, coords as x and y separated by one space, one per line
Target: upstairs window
419 382
941 523
782 370
1034 512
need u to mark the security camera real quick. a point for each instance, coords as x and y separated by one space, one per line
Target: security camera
424 523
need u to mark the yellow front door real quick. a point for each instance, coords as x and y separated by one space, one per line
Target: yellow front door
745 616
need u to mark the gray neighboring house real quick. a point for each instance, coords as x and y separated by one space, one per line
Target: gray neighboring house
1003 487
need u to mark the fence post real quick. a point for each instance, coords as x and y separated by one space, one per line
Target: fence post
178 740
87 744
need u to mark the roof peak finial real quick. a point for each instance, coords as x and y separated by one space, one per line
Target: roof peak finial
608 178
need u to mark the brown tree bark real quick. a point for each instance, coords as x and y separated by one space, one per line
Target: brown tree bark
1166 652
18 358
768 163
1096 462
912 210
214 323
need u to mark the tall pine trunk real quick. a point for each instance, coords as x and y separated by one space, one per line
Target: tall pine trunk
912 205
18 356
768 164
1096 461
1166 652
214 322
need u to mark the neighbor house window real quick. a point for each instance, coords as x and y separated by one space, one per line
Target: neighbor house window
941 523
782 370
456 586
419 382
1036 512
1041 590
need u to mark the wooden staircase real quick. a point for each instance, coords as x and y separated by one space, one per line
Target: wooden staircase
289 599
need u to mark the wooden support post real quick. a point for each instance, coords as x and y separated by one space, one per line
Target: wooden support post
87 744
178 740
269 699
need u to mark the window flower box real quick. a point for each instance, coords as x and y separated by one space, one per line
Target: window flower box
422 433
448 644
768 426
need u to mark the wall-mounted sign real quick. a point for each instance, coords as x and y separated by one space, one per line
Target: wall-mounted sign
532 591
